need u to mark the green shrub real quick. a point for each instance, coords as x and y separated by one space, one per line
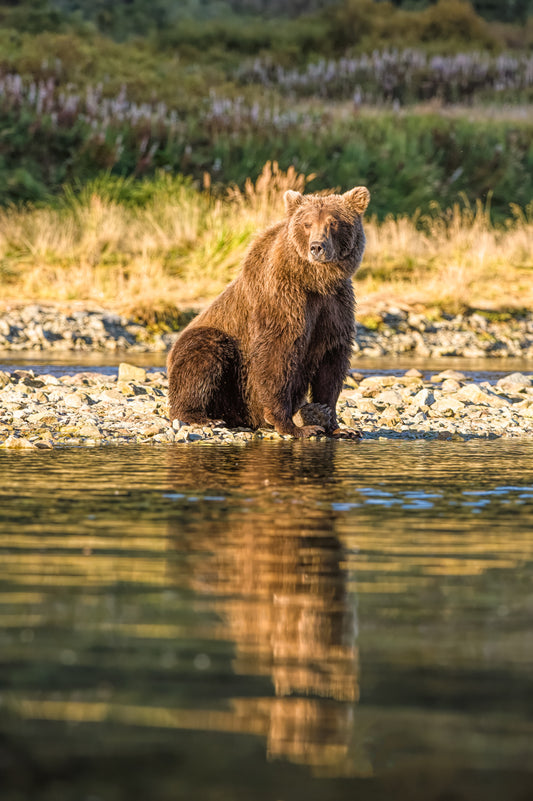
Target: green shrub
454 20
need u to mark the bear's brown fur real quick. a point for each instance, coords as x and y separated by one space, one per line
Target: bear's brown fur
283 329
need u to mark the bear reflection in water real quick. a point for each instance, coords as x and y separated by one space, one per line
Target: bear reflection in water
275 571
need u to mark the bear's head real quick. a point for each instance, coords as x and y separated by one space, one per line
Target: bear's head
328 229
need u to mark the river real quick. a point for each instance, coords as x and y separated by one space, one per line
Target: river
281 621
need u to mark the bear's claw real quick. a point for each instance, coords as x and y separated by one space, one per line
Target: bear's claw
347 433
310 431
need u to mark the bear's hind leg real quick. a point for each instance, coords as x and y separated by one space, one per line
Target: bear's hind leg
205 379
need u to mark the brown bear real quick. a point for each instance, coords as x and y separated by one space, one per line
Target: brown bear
283 330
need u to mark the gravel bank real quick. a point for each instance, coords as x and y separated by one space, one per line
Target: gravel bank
93 409
392 331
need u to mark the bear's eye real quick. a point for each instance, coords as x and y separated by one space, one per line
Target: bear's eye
334 225
307 225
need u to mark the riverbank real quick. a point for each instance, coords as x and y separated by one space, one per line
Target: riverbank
90 408
142 249
389 330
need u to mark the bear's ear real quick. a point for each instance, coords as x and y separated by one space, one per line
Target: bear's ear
292 201
357 199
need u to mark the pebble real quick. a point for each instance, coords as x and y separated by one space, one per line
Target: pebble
389 397
48 328
423 398
395 331
129 372
515 382
95 409
399 331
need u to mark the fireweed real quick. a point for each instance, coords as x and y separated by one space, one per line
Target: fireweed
57 134
406 76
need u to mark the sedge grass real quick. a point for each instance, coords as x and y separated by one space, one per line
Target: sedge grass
182 245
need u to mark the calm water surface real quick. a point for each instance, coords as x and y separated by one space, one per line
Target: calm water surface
107 363
284 621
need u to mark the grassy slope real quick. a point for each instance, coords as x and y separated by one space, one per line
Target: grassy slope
183 245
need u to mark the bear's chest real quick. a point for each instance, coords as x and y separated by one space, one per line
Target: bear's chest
329 320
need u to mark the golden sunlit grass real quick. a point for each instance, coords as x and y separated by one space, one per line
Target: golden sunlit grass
182 246
453 259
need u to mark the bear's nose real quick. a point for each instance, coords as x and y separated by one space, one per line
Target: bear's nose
316 248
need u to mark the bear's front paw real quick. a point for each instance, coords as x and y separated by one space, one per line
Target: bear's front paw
347 433
315 414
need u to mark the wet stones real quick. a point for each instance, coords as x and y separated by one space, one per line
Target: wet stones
447 406
19 443
396 331
47 328
391 331
95 409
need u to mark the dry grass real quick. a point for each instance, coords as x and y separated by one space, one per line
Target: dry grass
185 245
453 259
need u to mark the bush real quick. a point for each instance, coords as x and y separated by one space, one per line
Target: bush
454 20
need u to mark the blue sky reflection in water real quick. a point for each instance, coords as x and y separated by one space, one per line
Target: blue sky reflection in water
280 621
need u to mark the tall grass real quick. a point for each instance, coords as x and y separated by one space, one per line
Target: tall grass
454 259
129 244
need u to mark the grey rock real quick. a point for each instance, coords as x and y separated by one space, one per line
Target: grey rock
424 397
129 372
389 397
516 382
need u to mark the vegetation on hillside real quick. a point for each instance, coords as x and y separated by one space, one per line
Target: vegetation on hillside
124 112
124 18
208 89
52 138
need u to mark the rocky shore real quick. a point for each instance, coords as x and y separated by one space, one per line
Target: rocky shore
390 331
92 409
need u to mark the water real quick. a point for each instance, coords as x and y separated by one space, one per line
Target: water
107 363
287 621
